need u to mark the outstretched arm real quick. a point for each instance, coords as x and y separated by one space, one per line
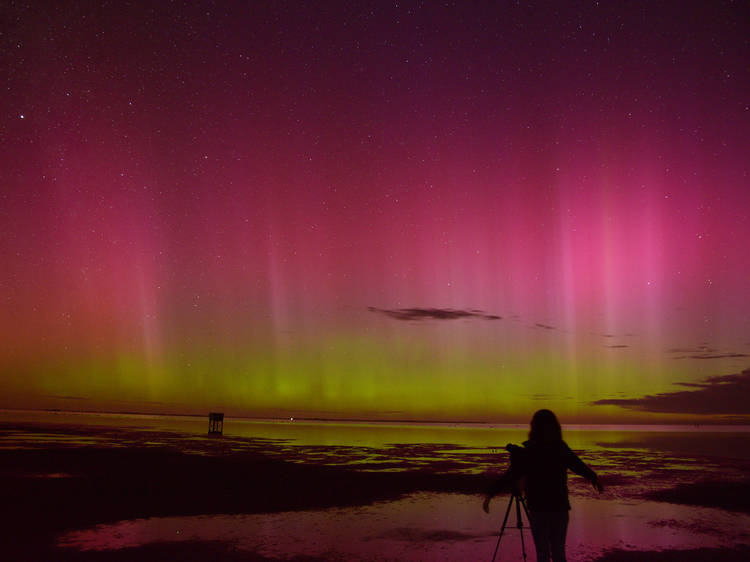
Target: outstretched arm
579 467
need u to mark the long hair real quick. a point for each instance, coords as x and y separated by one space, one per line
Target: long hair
545 428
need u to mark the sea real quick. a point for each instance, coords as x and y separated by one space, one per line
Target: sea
656 479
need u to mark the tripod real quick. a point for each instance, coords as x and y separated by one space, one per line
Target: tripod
519 521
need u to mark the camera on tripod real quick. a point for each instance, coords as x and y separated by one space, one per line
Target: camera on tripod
517 462
513 449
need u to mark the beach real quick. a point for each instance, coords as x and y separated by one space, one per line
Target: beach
378 242
142 489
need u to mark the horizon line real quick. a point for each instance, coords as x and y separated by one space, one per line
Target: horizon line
370 420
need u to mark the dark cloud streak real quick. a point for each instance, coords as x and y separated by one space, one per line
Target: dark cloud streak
699 349
720 395
713 356
432 313
719 356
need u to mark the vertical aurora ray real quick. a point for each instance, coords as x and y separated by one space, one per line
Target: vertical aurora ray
225 213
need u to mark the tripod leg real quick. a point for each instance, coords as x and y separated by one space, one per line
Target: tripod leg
521 502
526 510
505 520
520 529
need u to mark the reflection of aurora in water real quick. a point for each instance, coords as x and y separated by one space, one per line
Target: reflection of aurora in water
438 448
636 465
427 526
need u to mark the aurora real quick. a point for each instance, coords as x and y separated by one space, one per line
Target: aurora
377 212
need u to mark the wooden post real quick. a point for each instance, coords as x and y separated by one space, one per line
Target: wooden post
215 423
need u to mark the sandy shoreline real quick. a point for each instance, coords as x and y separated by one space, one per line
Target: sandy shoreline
59 488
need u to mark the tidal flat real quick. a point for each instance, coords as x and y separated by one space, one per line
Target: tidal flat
104 487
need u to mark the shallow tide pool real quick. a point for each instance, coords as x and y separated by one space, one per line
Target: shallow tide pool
429 526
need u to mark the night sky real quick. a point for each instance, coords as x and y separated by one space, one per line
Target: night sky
444 211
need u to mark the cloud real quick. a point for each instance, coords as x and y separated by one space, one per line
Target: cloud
608 335
698 349
718 355
713 356
432 313
720 395
704 351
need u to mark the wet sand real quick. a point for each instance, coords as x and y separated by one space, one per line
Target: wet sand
59 489
732 554
80 484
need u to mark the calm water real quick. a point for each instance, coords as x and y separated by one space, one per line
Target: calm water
705 439
632 462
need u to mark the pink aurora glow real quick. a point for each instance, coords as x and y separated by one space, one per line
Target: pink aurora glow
194 190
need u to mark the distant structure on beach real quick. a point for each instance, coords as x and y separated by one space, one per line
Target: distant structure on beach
215 423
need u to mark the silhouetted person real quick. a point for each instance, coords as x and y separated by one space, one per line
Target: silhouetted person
540 467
